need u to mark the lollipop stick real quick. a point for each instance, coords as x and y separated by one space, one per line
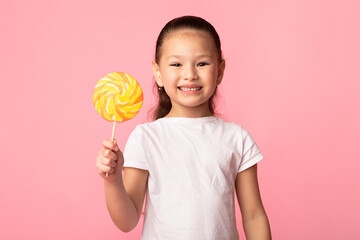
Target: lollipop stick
113 132
112 138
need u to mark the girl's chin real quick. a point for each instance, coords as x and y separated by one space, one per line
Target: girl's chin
192 105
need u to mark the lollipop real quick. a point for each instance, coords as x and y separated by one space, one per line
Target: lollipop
117 98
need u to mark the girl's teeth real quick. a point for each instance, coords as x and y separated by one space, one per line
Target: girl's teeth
190 89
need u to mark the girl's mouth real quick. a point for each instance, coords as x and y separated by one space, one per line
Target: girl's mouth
185 89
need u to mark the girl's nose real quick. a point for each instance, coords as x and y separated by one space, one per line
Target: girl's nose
190 73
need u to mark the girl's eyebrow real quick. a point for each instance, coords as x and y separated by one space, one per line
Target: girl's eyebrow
203 56
174 56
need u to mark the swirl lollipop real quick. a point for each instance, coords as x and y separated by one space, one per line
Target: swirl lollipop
117 97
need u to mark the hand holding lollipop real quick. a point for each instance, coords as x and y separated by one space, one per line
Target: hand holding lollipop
117 98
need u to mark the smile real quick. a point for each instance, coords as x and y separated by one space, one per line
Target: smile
189 89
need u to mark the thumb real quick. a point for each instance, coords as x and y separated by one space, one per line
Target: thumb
116 146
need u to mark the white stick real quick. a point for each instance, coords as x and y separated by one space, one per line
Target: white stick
113 132
112 138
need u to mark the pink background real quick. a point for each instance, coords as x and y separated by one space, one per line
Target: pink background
292 80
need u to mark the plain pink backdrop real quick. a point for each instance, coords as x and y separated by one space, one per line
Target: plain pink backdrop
292 80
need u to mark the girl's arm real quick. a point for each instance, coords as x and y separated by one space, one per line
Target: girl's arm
124 195
255 222
124 198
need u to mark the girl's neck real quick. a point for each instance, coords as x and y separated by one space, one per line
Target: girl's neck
189 113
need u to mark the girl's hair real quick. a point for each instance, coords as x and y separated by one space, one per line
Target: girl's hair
186 22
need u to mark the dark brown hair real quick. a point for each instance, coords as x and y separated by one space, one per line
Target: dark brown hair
186 22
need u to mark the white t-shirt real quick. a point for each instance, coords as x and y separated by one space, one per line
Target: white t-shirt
192 164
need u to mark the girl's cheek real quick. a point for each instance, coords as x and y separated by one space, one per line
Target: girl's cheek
171 72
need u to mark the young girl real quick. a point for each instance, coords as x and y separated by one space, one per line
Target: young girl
187 161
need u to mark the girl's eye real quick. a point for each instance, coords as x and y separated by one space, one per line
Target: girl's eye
175 65
202 64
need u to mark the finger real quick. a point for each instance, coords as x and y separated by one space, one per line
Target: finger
103 175
107 153
104 168
106 161
109 162
111 145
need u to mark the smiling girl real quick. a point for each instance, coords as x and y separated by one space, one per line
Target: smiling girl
188 162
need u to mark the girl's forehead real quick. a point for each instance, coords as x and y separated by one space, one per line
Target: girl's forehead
187 32
187 40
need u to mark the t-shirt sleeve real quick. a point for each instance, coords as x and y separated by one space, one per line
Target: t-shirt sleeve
134 152
251 154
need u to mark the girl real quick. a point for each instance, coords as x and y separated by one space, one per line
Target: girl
187 161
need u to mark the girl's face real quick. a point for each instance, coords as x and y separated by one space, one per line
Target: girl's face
189 70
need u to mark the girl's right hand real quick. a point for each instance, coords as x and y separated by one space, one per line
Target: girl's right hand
110 160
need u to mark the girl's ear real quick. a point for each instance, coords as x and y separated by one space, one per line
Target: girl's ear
220 72
157 75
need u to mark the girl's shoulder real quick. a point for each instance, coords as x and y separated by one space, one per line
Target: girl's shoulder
236 130
230 125
146 128
147 125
